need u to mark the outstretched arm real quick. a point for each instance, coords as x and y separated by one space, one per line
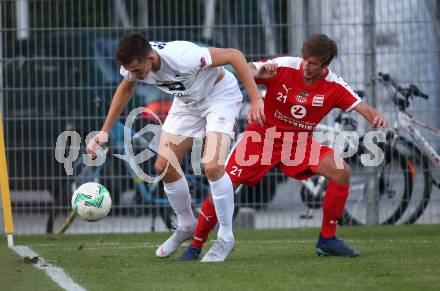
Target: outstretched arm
374 117
236 59
120 99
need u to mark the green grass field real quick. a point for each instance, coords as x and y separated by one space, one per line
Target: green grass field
393 258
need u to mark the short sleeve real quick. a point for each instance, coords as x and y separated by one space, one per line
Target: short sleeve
348 99
187 56
206 55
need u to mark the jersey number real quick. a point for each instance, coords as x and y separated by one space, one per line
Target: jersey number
281 97
236 171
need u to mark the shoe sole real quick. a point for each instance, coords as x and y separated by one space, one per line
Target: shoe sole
219 261
321 253
166 256
188 260
169 255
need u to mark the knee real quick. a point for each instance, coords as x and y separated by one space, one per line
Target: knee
170 174
160 166
214 172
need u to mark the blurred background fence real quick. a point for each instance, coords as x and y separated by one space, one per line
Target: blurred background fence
57 73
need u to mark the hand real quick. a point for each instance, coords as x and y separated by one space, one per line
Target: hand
256 112
95 142
379 122
266 71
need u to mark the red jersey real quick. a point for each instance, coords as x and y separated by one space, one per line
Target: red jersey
292 106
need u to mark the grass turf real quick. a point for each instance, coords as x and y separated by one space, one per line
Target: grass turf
16 275
393 257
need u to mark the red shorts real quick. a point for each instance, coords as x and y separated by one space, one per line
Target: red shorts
252 157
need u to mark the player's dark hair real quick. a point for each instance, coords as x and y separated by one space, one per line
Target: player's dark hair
320 45
132 46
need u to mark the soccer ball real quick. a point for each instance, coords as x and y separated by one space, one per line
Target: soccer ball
91 201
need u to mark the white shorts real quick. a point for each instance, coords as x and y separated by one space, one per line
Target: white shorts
217 112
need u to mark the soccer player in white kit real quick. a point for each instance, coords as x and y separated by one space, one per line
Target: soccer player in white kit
207 101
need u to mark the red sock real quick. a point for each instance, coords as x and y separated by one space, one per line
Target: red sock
333 207
207 220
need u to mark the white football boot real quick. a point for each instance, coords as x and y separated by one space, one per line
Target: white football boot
219 251
171 245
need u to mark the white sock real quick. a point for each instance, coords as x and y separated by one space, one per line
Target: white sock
223 197
180 199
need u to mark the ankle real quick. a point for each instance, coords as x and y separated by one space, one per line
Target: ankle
323 240
195 250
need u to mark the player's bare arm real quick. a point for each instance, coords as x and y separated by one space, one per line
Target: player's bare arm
120 99
374 117
266 71
236 59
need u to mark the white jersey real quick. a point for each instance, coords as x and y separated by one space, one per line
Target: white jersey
185 71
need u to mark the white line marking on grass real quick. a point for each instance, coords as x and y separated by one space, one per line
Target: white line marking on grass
55 273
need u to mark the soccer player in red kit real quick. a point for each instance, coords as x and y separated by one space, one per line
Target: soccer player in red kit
300 93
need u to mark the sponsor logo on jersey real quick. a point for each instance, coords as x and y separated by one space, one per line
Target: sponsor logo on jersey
202 63
305 125
301 97
298 111
318 100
